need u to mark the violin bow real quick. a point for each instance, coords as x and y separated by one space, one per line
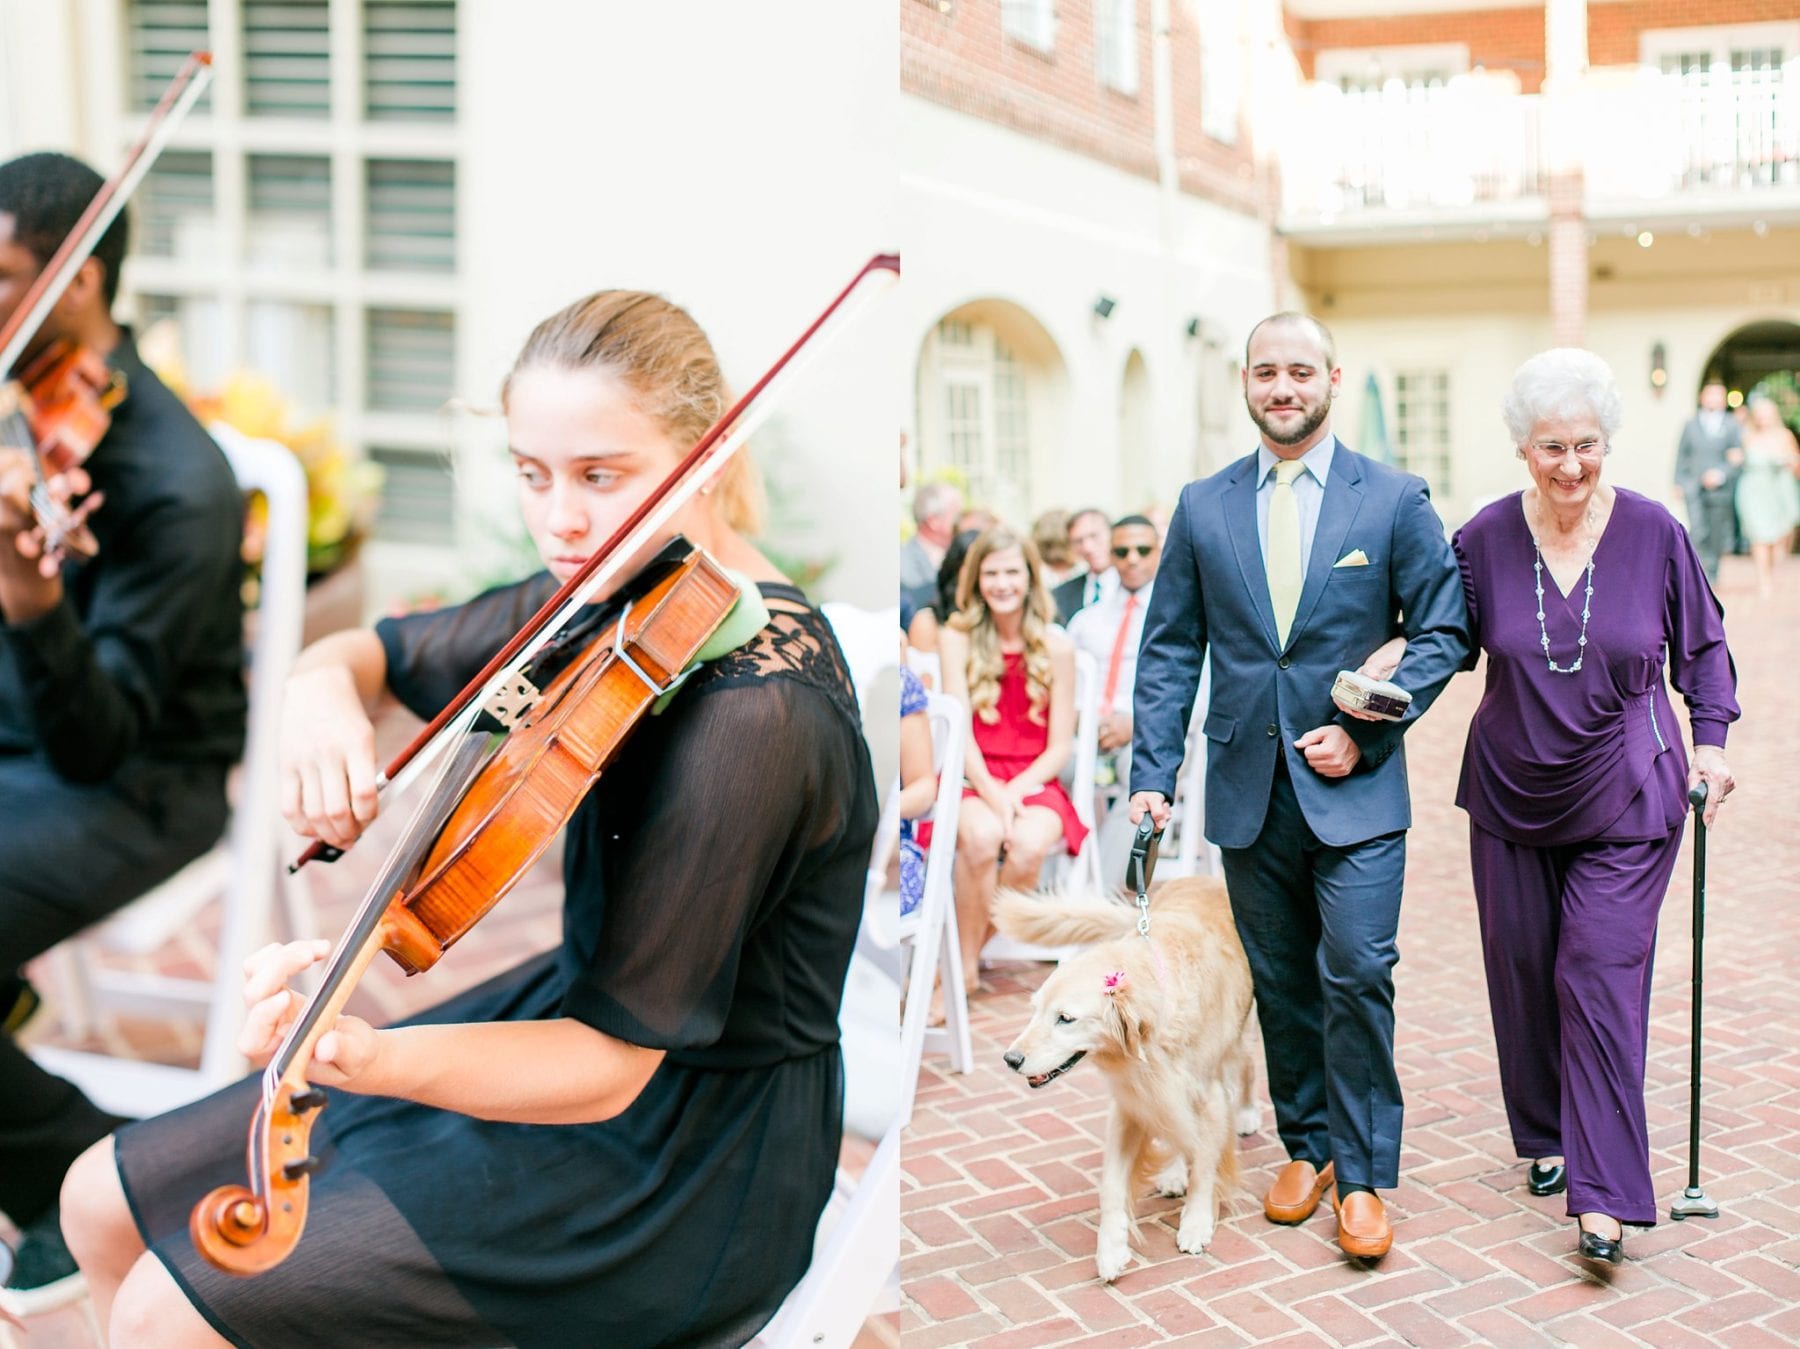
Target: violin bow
53 279
701 464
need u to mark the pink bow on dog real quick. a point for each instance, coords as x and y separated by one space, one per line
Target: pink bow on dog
1113 982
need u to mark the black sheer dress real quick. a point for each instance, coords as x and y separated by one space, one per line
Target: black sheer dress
714 884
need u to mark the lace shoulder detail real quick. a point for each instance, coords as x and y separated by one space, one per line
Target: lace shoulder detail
796 643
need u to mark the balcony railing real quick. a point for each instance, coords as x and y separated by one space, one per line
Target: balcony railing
1475 150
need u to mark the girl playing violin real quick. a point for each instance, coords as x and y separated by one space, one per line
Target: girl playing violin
627 1141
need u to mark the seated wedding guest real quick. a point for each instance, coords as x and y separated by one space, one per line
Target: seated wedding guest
1576 782
918 786
928 621
1015 674
1050 532
1090 540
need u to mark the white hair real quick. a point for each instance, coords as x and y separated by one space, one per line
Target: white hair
934 498
1561 382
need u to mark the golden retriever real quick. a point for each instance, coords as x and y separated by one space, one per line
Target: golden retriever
1166 1020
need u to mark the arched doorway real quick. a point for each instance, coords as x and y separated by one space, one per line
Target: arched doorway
990 383
1751 354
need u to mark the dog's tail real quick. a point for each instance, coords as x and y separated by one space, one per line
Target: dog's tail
1061 919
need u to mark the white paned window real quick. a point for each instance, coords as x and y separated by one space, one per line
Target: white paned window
975 414
1221 69
1422 426
174 208
409 60
1032 22
305 231
412 215
290 213
1366 69
287 50
1116 44
1721 49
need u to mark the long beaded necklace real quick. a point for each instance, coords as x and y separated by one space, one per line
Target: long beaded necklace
1587 600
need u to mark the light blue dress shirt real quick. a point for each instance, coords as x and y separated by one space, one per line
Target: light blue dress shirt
1309 492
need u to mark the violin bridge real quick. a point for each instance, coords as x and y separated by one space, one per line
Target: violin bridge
511 702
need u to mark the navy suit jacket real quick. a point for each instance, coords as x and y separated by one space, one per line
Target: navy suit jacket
1212 591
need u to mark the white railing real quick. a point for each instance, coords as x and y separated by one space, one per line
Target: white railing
1474 145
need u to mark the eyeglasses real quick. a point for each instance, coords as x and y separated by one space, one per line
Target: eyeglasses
1141 549
1555 450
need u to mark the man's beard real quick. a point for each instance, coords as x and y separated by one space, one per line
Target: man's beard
1311 422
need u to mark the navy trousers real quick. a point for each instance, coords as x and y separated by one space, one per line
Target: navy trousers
73 855
1567 935
1318 924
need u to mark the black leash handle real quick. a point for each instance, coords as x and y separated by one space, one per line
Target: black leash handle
1141 866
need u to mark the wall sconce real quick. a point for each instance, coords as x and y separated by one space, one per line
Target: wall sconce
945 6
1659 368
1104 306
1193 327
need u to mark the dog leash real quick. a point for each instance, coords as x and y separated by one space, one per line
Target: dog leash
1140 868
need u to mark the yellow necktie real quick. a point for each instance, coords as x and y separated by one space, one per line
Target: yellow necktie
1282 558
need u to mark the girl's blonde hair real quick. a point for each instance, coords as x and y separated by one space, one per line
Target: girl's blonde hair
658 352
986 663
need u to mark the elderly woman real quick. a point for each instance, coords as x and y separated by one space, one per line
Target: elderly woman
1576 782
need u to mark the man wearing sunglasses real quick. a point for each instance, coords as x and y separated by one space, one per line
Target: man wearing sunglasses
1109 630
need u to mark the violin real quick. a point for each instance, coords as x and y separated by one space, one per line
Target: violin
60 403
514 762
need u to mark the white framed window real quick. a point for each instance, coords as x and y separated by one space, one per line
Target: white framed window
302 225
1422 426
1421 66
1116 44
1744 47
1032 22
1221 68
975 413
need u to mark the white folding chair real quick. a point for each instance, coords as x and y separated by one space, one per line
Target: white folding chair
929 666
243 869
1082 870
931 928
869 639
855 1270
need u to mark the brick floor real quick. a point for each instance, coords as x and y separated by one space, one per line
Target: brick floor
1476 1260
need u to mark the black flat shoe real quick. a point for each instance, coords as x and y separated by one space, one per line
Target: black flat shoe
1543 1180
1596 1247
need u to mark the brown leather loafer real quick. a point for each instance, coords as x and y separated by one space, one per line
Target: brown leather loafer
1297 1191
1363 1229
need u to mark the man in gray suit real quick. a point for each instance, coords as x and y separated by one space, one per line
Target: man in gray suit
1706 470
1295 562
935 508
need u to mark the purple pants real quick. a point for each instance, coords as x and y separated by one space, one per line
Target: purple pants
1567 935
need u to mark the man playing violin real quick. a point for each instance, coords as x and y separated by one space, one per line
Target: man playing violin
121 690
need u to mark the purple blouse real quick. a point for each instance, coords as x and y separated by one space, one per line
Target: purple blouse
1565 758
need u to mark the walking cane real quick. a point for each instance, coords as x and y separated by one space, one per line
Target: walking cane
1693 1202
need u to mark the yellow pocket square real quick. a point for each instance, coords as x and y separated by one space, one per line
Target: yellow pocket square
1358 558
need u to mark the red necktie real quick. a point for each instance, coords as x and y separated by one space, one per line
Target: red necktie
1118 656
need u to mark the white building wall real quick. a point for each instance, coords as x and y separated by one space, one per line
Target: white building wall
986 213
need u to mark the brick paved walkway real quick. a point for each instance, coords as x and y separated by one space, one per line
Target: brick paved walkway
999 1182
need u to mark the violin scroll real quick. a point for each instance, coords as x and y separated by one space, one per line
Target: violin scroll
242 1232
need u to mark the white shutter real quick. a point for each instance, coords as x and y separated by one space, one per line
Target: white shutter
289 221
174 208
409 60
417 496
160 36
412 353
412 215
287 47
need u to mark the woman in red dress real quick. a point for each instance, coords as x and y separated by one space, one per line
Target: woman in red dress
1014 671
